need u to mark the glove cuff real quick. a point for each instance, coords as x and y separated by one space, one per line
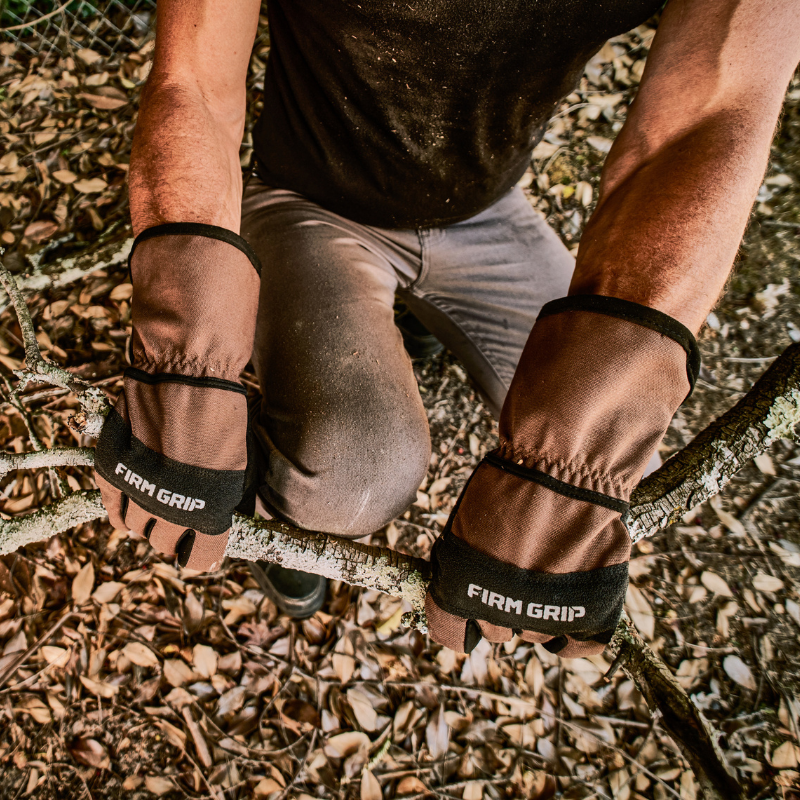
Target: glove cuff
595 390
633 312
195 300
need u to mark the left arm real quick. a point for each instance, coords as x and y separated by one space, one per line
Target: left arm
681 178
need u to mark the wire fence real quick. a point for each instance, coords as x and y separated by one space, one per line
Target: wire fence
52 27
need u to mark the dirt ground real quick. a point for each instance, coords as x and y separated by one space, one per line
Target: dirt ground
152 681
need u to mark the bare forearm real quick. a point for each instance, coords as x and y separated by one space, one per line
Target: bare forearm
666 231
185 159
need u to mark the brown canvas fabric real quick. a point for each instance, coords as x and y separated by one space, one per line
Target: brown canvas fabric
194 306
590 401
205 427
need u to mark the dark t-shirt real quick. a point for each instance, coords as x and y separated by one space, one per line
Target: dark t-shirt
420 113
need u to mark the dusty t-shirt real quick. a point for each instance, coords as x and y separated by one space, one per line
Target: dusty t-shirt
420 113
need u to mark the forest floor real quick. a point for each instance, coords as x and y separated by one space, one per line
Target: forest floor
145 680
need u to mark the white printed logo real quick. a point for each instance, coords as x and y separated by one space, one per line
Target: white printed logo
164 496
533 610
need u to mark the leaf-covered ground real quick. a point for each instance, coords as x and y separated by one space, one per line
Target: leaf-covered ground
122 675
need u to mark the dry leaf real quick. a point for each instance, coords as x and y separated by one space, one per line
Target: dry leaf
473 790
90 185
640 612
100 688
91 753
65 176
364 712
738 671
177 672
411 784
122 292
764 464
106 592
139 654
437 734
41 230
723 616
158 786
266 786
88 56
83 583
370 788
534 675
715 583
784 757
345 744
36 708
204 660
57 656
767 583
599 143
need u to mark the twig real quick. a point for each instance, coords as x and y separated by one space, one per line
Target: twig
37 20
55 457
23 657
92 400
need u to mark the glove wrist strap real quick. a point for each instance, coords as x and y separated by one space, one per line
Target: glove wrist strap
638 314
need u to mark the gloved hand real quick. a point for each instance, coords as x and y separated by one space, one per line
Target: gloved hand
172 455
536 544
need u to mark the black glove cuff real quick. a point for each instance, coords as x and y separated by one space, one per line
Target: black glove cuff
637 313
473 585
197 229
194 497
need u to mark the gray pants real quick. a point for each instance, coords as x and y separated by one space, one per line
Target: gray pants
341 424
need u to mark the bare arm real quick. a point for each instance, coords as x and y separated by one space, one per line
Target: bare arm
681 178
185 157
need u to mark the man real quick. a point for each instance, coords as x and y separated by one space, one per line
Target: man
387 152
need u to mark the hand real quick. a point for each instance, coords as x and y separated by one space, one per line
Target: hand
172 456
536 544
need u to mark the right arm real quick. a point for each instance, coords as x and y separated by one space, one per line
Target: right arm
172 460
185 157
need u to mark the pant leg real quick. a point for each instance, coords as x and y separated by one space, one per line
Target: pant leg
341 423
483 283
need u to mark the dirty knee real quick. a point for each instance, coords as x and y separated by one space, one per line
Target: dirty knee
360 489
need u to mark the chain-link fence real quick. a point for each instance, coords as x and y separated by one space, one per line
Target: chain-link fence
52 27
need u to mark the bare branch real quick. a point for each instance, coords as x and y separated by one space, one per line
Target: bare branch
94 402
55 457
75 509
768 412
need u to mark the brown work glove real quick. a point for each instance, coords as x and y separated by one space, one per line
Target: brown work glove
171 459
536 543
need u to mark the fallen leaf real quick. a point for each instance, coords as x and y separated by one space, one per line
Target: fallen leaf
363 709
158 786
370 787
121 292
345 744
100 688
767 583
177 672
739 672
765 464
106 592
784 757
139 654
599 143
83 583
716 584
90 185
437 734
40 230
65 176
640 612
57 656
204 660
91 753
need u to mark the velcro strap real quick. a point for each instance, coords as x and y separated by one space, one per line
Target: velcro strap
198 498
473 585
153 378
637 313
197 229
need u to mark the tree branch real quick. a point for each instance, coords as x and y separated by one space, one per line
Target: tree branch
94 402
55 457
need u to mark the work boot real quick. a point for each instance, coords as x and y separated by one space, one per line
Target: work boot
418 340
297 594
